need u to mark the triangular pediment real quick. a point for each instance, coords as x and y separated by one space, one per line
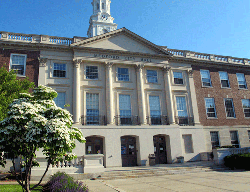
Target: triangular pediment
121 40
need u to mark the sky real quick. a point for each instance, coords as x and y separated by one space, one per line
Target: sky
219 27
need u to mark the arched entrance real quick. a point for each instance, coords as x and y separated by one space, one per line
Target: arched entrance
94 145
128 151
160 149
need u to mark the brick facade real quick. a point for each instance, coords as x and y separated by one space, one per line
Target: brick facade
219 94
32 63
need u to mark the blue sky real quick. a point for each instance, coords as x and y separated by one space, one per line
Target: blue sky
208 26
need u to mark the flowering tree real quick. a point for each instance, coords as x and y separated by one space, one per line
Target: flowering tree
33 122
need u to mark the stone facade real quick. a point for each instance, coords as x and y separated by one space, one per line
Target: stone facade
132 98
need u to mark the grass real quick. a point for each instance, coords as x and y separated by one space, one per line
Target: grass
16 188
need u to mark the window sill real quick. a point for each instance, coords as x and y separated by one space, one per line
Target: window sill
123 81
231 118
207 86
59 78
225 87
178 84
242 89
153 83
211 118
21 75
92 79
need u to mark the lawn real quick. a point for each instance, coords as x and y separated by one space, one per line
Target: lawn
16 188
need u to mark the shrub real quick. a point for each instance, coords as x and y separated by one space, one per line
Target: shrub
238 161
61 182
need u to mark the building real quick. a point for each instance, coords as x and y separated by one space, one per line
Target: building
132 98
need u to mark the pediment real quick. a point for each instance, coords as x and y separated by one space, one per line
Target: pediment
121 40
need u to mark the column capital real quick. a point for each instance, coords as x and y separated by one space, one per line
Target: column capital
166 69
42 61
109 64
190 73
77 63
139 66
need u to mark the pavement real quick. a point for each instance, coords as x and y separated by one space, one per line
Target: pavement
204 181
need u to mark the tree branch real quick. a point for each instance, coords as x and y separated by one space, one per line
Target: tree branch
49 162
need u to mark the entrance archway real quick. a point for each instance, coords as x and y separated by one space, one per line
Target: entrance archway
160 149
128 151
94 145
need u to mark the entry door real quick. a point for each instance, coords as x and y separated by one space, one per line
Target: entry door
160 150
128 151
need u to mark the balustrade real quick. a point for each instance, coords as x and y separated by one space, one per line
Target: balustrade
78 162
35 38
202 56
19 37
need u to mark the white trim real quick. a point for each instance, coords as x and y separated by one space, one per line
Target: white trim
25 61
209 78
60 63
229 87
98 71
183 77
214 108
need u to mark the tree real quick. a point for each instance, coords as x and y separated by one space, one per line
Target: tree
10 87
33 122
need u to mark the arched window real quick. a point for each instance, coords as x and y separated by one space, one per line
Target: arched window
97 6
102 5
94 145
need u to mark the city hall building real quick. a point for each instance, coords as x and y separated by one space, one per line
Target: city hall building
132 98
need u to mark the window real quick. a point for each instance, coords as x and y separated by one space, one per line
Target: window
181 106
152 76
92 108
94 145
229 108
224 79
91 72
155 109
210 107
102 5
215 139
188 143
205 78
234 138
125 105
123 74
241 80
60 99
246 107
97 6
18 63
178 78
59 70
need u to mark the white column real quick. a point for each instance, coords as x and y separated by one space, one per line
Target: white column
76 92
42 68
141 94
169 95
109 94
193 97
